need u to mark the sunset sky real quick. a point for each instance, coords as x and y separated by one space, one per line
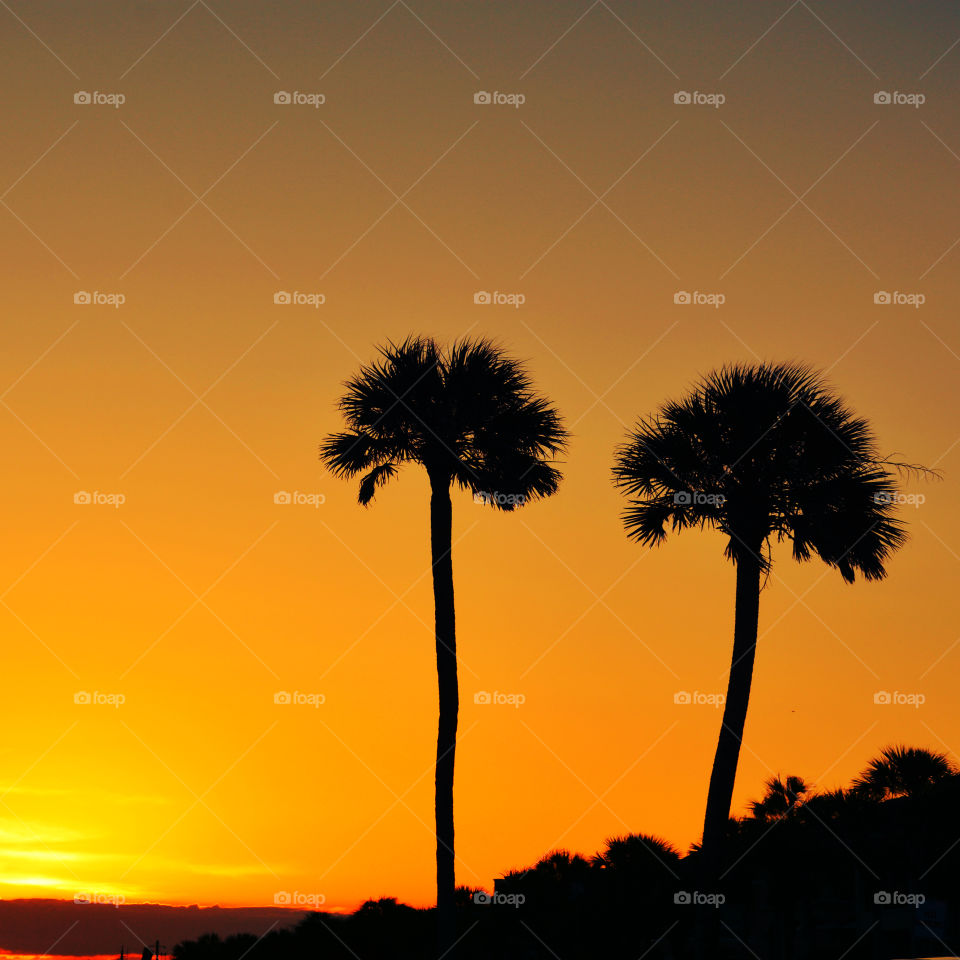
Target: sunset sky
183 589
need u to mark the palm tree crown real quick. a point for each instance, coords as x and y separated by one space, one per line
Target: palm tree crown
783 797
903 771
636 851
758 452
468 414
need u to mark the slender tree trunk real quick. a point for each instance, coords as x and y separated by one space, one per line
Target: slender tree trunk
725 760
449 701
735 709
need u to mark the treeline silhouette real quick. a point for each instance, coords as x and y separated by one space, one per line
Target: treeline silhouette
869 872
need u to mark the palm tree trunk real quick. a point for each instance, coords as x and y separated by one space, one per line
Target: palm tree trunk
725 760
441 518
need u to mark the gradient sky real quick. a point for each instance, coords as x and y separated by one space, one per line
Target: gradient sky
598 199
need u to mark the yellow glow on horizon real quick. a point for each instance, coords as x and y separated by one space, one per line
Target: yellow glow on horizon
56 883
54 855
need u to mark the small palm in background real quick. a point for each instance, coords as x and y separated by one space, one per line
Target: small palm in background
783 797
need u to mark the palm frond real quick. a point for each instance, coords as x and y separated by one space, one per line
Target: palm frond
377 477
347 454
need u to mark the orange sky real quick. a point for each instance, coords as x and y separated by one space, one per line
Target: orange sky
198 399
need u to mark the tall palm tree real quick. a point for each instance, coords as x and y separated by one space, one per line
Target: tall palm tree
759 453
903 772
469 416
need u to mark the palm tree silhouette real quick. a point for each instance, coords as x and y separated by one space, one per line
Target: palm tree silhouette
759 452
469 416
636 852
903 772
783 797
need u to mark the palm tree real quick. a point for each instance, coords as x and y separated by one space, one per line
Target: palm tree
759 453
635 852
636 862
468 415
903 772
783 797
